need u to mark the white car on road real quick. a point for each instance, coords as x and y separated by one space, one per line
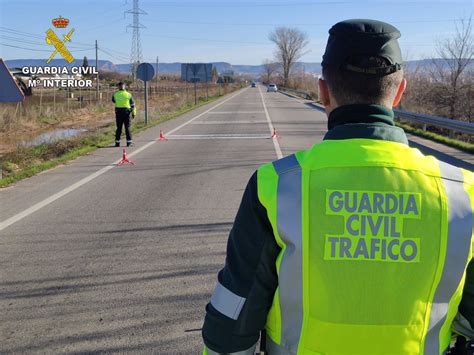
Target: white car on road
272 88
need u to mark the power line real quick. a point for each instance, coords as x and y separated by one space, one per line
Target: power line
114 57
81 50
114 51
29 49
272 4
122 59
248 4
21 33
209 40
42 50
107 23
19 40
278 24
27 34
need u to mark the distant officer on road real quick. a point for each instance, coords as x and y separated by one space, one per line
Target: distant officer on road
359 245
124 107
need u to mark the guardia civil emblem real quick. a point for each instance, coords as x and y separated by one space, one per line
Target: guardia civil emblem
59 45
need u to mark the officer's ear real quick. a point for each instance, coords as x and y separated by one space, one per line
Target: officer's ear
401 89
324 93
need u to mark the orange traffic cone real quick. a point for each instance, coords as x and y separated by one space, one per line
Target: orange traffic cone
275 134
125 159
162 136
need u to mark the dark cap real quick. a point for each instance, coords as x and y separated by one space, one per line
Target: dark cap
363 38
121 83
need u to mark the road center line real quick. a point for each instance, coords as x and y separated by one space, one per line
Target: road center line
229 122
19 216
270 126
219 136
234 112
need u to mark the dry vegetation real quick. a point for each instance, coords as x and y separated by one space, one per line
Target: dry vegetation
49 109
441 87
291 45
166 101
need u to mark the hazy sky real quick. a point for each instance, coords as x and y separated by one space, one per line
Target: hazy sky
215 30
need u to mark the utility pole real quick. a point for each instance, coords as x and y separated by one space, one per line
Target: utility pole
207 88
157 62
97 69
136 51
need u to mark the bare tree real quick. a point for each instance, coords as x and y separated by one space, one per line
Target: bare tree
452 74
291 44
269 67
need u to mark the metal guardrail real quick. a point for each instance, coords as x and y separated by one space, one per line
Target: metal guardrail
425 120
442 122
302 93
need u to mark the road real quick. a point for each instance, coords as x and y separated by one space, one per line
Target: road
95 257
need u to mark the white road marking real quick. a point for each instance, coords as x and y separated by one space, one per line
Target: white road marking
219 136
234 112
19 216
247 103
270 126
228 122
203 113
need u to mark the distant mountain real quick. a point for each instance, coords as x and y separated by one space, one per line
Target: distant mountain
172 68
425 64
175 68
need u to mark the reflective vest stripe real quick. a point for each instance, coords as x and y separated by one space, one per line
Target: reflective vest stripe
227 302
460 222
289 221
274 349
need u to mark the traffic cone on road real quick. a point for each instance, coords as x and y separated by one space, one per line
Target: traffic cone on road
275 134
162 136
125 159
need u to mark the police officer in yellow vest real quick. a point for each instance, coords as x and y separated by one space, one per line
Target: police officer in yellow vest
124 106
359 245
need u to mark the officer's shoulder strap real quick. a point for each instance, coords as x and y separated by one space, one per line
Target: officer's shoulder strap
450 172
286 164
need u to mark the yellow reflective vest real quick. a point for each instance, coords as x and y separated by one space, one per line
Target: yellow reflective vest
374 248
122 99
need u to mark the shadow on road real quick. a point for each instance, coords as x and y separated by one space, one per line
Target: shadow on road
185 228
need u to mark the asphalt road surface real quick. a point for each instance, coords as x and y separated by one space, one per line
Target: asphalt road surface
95 257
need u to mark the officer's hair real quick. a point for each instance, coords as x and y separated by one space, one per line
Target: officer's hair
348 87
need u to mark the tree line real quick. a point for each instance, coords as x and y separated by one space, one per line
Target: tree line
443 86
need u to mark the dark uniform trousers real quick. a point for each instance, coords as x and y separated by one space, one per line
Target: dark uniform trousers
122 118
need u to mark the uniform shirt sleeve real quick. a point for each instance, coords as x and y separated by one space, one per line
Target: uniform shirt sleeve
132 103
113 98
247 283
466 307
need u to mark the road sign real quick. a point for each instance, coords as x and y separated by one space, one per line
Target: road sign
145 71
193 71
9 90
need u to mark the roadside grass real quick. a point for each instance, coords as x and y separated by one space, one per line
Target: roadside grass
464 146
28 161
